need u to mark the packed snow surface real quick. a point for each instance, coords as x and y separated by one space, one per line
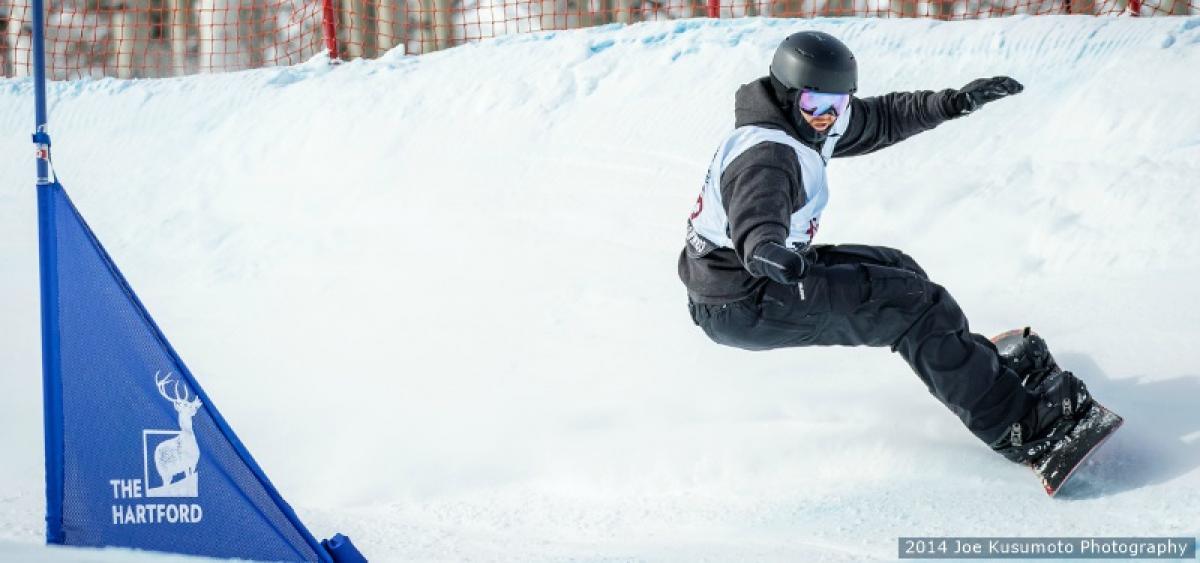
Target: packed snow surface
437 297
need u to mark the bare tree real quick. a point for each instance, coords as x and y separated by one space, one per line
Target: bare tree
217 22
131 34
18 38
386 35
355 25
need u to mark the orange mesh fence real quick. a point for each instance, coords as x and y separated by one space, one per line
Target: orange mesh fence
158 38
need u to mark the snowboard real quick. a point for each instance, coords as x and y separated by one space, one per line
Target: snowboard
1056 467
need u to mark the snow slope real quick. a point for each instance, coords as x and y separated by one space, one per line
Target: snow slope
437 297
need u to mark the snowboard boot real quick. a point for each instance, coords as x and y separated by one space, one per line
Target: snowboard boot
1063 400
1024 352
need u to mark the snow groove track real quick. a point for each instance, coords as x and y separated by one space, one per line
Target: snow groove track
460 270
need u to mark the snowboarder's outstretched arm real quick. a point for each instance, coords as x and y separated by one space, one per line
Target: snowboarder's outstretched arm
882 121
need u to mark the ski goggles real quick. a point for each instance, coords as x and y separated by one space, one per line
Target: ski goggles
819 103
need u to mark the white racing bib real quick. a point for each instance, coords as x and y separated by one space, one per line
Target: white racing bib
708 226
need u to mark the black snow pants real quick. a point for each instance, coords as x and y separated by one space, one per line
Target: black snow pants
857 295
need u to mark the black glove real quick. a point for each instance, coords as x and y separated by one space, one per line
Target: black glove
778 262
978 92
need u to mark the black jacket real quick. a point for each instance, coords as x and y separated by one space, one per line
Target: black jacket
762 188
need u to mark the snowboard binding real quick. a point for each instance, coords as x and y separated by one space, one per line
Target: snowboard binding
1062 399
1065 425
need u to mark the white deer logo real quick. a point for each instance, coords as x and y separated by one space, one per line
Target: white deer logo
181 453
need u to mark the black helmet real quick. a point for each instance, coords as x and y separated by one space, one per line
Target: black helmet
816 61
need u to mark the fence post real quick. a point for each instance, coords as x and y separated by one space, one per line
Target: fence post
327 23
714 8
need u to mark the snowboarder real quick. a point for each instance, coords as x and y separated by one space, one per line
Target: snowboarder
755 280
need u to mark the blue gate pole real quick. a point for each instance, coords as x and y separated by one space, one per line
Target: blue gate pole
40 137
48 264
